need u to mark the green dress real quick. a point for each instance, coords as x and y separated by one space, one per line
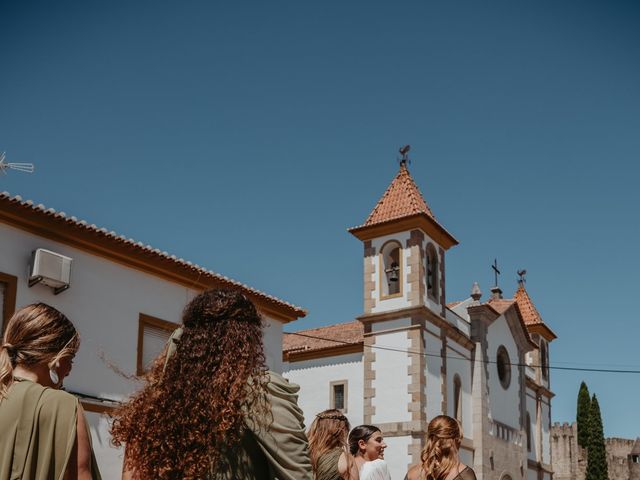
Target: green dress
38 426
327 468
275 448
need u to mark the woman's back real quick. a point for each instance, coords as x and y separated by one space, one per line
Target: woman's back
38 426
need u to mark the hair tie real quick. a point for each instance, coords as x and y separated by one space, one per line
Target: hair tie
10 348
332 417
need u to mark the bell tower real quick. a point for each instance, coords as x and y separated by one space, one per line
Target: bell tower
404 315
404 250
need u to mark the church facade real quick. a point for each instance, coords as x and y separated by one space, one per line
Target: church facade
411 355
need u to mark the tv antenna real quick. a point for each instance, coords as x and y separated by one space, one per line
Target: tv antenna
21 167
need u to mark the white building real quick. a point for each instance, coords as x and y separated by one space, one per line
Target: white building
124 297
412 356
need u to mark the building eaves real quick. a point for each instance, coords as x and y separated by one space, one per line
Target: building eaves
68 229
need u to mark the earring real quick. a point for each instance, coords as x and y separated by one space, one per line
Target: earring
53 374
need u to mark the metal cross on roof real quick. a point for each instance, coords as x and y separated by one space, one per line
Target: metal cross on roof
496 272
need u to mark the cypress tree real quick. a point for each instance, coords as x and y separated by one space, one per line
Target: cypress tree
582 415
596 449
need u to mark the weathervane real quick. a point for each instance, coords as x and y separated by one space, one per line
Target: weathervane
404 151
521 274
21 167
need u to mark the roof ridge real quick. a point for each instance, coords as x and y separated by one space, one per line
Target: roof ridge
146 248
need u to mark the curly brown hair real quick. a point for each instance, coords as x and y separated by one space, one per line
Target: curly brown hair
188 419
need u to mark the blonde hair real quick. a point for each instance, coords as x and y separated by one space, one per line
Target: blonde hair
440 454
35 334
329 430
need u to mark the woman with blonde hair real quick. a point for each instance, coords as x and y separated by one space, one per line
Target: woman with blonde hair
44 432
440 460
327 435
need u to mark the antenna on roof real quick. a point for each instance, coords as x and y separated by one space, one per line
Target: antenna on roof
21 167
404 151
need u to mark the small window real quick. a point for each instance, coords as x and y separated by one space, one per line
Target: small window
544 359
432 272
391 269
457 398
8 288
635 458
339 395
153 334
504 367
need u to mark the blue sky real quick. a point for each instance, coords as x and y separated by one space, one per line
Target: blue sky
248 136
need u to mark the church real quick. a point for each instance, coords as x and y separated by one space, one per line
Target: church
411 355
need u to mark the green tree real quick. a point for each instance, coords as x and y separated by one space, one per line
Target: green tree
596 450
582 415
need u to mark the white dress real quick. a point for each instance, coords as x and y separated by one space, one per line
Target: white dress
375 470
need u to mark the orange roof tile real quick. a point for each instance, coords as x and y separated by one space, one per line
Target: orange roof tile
323 337
529 312
500 305
401 199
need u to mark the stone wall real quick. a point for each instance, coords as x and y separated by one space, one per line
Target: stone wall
570 461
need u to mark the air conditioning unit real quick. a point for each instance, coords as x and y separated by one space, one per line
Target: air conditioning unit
51 269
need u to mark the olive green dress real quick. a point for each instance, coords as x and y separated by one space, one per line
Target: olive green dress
38 426
274 448
327 468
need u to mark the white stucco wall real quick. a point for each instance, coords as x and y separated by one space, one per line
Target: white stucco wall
546 425
397 456
433 386
104 303
459 363
503 403
314 378
531 410
391 378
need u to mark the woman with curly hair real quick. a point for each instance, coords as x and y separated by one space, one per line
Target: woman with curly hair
439 457
210 408
330 456
44 434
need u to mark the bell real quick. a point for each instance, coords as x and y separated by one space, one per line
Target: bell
392 272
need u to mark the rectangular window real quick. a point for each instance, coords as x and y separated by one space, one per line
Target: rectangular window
8 289
153 334
339 395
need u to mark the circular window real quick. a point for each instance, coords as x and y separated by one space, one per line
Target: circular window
504 367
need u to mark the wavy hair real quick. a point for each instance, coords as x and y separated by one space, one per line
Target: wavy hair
328 431
35 334
440 454
188 420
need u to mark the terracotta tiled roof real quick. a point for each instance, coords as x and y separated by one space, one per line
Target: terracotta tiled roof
28 215
401 199
453 304
529 312
500 305
328 337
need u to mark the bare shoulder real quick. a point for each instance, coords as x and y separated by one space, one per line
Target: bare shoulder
414 473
